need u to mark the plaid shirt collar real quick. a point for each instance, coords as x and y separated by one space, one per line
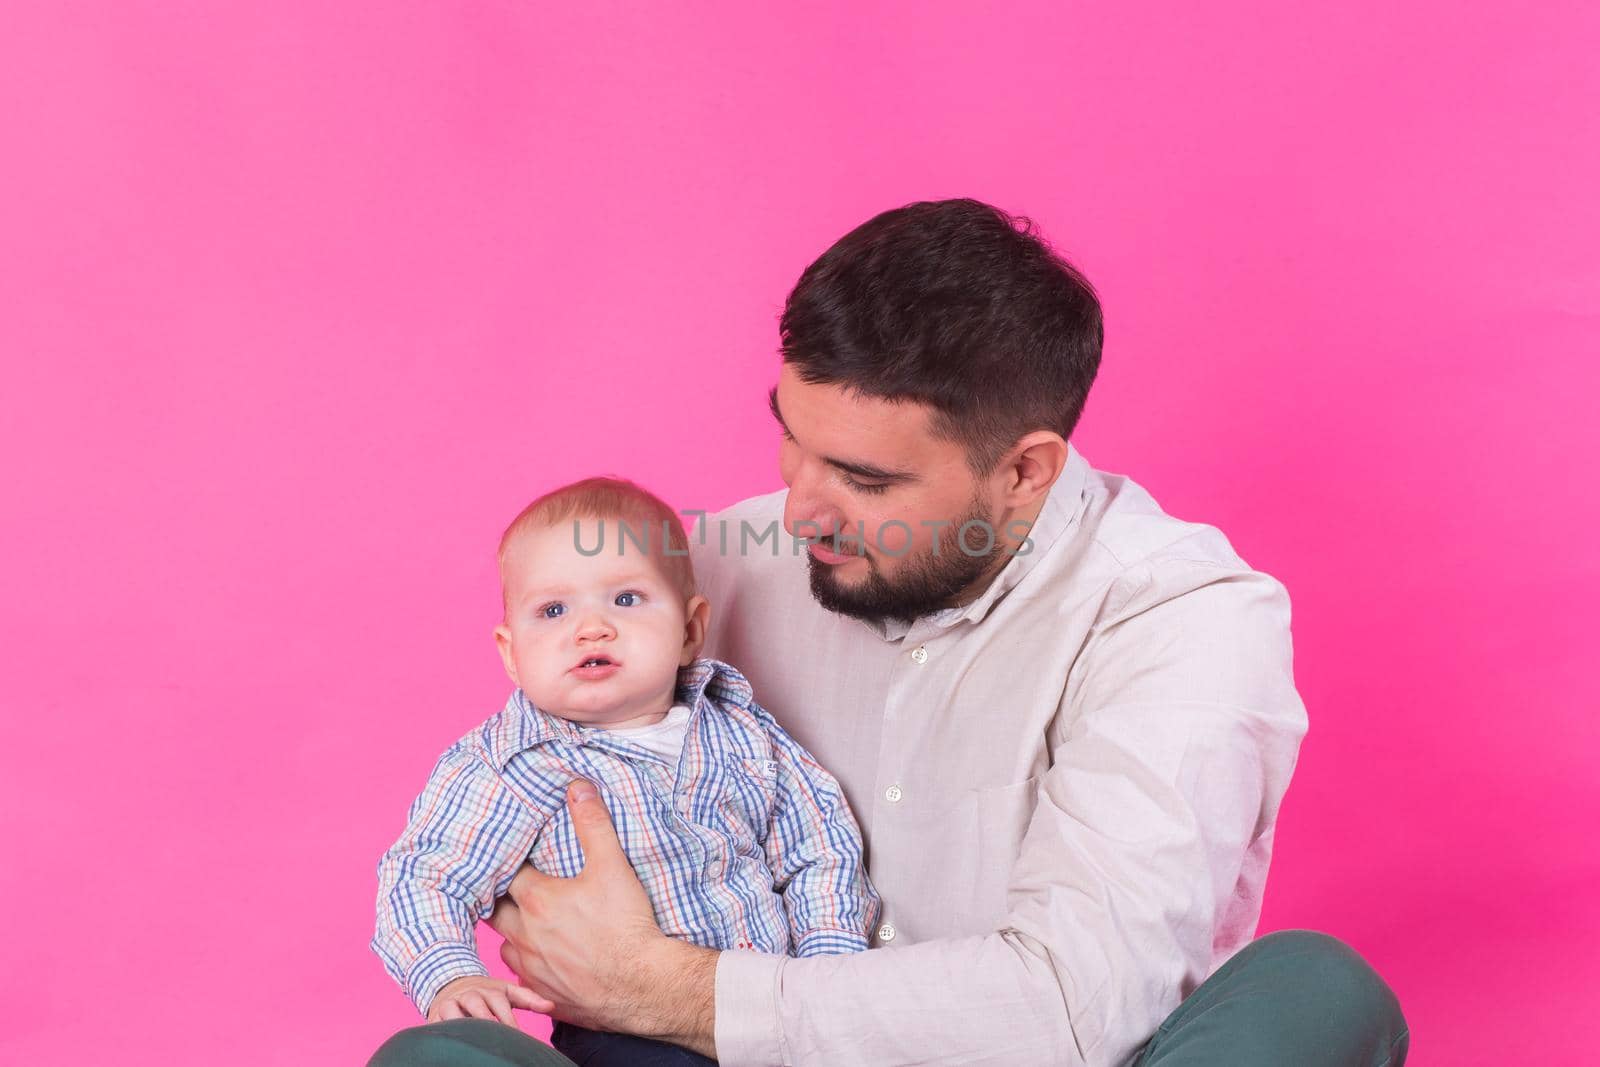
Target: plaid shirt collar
522 726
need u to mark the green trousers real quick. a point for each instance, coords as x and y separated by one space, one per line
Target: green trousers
1290 999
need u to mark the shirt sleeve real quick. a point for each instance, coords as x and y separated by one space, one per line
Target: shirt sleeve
465 837
1173 745
814 850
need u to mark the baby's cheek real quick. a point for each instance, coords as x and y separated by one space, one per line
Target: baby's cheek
536 655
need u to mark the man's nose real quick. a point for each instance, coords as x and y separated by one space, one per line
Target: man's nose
806 514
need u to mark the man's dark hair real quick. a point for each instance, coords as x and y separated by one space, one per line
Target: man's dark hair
960 306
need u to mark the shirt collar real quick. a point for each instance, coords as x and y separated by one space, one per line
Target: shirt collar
521 725
1063 505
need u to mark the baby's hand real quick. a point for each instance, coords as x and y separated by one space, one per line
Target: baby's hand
481 997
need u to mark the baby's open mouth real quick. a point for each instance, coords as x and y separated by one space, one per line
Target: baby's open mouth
597 661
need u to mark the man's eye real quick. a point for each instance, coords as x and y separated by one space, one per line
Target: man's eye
553 611
628 600
865 487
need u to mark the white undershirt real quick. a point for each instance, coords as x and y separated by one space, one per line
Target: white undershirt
664 738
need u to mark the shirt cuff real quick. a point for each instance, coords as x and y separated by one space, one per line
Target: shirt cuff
827 942
749 1031
436 967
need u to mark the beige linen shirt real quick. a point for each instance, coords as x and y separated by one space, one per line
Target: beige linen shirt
1067 788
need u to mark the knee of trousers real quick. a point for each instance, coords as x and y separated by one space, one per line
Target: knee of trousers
445 1044
1354 997
417 1047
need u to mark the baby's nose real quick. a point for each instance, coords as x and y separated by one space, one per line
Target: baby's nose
595 628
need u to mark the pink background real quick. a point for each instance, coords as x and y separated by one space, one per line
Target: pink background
300 302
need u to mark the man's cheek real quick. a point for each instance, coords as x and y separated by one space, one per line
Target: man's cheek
892 538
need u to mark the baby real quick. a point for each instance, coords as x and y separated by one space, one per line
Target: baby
741 840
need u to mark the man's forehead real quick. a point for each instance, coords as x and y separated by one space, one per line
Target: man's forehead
853 419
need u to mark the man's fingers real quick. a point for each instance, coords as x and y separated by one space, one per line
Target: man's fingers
592 823
475 1006
525 885
526 999
597 837
503 915
512 958
450 1009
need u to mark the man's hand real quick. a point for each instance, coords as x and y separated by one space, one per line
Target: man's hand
481 997
590 949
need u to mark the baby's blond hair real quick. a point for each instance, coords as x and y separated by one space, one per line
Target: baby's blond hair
645 516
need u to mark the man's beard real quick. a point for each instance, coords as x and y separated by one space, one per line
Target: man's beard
924 585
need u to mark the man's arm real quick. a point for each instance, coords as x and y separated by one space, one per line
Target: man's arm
1177 737
1176 740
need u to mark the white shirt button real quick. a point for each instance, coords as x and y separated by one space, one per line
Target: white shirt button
893 794
919 654
886 932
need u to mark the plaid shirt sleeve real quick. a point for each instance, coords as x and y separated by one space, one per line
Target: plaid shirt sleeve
464 839
814 850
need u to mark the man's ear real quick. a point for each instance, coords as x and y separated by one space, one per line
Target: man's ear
1032 467
502 641
697 621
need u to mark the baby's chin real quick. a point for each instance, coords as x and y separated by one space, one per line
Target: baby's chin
596 712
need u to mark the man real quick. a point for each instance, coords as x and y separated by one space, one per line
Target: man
1065 720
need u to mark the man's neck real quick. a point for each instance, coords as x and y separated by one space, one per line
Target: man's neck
1009 546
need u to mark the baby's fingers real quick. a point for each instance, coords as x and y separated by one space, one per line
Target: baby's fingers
526 999
497 1002
474 1004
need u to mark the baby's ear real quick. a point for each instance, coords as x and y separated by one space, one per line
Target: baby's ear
696 623
502 641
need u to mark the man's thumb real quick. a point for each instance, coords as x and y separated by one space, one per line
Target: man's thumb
592 823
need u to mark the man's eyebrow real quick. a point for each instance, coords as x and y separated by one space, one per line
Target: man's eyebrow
860 470
866 470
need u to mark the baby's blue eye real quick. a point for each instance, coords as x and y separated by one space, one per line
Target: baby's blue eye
553 611
627 600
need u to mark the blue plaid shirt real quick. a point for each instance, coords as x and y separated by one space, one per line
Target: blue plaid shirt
747 843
